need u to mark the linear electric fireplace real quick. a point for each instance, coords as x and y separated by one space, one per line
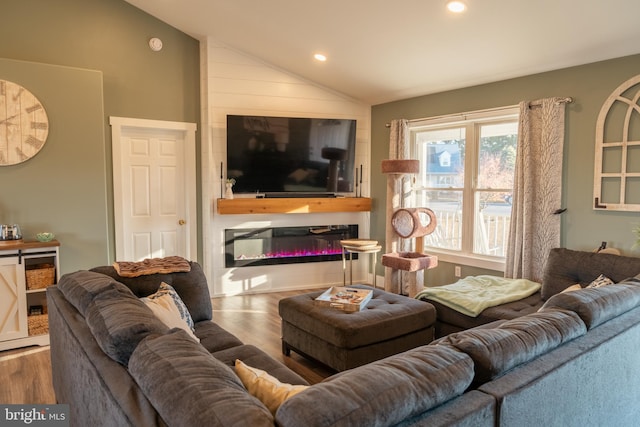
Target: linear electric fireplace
285 245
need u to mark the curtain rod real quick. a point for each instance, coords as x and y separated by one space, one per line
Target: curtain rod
567 100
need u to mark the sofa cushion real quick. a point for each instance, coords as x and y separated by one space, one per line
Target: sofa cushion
267 388
566 267
215 338
81 287
382 393
450 320
497 350
192 287
598 305
189 387
119 322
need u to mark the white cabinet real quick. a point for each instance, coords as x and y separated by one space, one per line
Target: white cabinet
26 270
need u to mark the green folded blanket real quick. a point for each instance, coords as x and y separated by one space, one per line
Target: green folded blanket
471 295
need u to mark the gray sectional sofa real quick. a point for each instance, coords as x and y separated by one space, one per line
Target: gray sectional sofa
573 363
564 268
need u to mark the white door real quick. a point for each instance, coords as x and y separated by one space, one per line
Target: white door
154 189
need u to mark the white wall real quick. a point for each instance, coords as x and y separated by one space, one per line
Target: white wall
236 83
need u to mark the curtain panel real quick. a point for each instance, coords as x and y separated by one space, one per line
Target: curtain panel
537 194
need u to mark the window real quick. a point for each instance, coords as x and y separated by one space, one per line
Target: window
466 175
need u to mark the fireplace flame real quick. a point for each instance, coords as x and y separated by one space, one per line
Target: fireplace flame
291 254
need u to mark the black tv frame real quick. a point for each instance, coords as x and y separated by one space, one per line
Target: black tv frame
263 164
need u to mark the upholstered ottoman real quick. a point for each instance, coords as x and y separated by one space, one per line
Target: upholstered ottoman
389 324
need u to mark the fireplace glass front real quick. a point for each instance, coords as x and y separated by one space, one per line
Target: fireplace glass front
286 245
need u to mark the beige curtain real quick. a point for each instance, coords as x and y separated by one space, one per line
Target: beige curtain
535 227
398 195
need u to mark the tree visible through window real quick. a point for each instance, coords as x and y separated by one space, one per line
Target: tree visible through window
466 177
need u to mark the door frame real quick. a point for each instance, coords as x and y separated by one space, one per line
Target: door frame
119 126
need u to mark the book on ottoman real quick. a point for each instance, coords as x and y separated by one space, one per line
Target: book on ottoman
345 299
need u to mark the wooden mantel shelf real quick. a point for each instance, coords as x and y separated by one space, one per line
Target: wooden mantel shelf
293 205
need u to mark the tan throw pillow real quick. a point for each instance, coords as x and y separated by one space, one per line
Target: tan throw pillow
166 310
266 388
575 287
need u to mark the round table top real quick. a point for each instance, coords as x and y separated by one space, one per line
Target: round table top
362 249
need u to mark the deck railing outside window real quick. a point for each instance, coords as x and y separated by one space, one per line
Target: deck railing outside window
492 223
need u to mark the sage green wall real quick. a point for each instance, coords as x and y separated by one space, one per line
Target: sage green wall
35 193
109 38
589 86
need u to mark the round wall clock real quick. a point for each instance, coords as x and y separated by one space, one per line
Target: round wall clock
24 124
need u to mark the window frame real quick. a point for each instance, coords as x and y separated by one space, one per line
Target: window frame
471 121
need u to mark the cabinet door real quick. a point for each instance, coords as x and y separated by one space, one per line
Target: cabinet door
13 305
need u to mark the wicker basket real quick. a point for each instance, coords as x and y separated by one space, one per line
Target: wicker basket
40 276
38 324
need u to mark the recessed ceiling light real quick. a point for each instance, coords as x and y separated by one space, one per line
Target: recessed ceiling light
456 6
320 57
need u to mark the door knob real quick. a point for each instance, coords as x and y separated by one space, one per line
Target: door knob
182 222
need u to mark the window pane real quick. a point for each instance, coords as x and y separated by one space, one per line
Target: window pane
492 219
497 155
441 154
447 205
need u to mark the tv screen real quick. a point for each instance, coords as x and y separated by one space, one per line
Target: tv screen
290 154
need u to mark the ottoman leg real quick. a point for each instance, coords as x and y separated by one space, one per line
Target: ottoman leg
285 348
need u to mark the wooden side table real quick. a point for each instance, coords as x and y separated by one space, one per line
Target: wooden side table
360 246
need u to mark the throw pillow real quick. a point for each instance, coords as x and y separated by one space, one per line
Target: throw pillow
166 289
266 388
170 309
601 280
575 287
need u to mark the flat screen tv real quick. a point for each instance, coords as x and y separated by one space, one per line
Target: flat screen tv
287 155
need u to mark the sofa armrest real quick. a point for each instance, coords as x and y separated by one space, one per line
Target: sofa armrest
96 387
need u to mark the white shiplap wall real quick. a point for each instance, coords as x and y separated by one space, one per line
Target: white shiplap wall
236 83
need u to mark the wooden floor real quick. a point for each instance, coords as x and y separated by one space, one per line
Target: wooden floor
25 374
255 320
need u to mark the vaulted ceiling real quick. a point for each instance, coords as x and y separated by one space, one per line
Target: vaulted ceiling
381 50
